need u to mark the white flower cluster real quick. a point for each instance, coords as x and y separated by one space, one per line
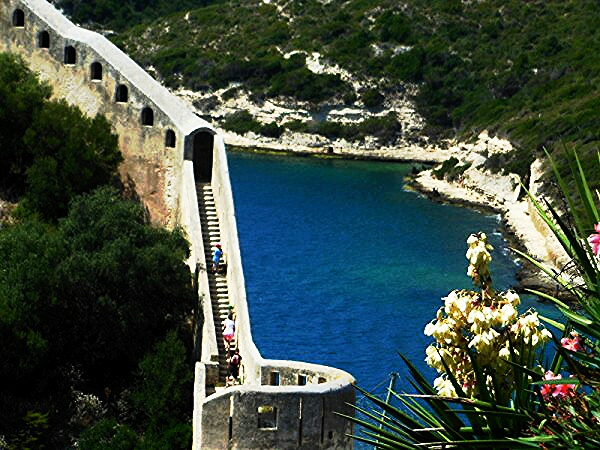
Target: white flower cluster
479 258
484 323
87 408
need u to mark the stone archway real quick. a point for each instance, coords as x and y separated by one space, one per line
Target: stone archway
202 156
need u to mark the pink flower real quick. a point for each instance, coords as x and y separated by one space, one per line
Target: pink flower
556 390
571 344
594 240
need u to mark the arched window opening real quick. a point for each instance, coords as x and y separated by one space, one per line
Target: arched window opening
121 93
44 39
170 138
18 18
70 55
147 116
96 71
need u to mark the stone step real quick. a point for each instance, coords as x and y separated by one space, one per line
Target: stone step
220 293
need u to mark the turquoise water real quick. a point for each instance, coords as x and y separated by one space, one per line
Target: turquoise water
344 267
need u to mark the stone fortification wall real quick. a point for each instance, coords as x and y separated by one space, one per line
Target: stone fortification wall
272 417
87 70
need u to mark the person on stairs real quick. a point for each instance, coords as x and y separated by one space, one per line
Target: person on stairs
228 331
234 367
217 255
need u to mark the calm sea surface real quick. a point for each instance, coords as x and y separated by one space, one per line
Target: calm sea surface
344 267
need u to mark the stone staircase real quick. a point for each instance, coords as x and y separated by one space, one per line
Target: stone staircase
219 294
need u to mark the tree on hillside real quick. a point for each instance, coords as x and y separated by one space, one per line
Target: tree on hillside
21 95
120 14
49 150
162 401
72 154
83 302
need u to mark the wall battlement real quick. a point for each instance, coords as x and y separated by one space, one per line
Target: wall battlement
167 150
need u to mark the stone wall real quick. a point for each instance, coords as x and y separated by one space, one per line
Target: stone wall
272 417
87 70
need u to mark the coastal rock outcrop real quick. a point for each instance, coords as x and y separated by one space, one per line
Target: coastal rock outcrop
502 193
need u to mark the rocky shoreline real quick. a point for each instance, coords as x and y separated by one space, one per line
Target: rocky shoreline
475 188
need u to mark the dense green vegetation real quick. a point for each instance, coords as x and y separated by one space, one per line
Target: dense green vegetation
450 169
50 151
524 70
122 14
93 299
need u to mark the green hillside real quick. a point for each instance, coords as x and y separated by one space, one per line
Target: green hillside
525 70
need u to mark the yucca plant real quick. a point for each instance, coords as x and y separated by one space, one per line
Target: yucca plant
553 407
574 422
483 350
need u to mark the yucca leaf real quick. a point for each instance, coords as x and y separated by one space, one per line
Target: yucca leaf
585 193
564 187
386 441
379 445
471 402
416 375
542 213
564 283
420 411
558 381
401 416
408 421
574 248
481 443
548 297
454 421
502 414
379 427
582 323
593 361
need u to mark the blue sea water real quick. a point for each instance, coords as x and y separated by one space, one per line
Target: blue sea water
345 267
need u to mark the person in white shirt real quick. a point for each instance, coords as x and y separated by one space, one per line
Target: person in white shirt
228 331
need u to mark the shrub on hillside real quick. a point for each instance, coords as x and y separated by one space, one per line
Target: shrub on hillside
72 154
49 150
84 301
241 122
386 129
21 95
372 98
450 169
271 129
307 86
394 26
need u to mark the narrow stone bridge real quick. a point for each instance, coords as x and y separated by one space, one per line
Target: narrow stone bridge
177 164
